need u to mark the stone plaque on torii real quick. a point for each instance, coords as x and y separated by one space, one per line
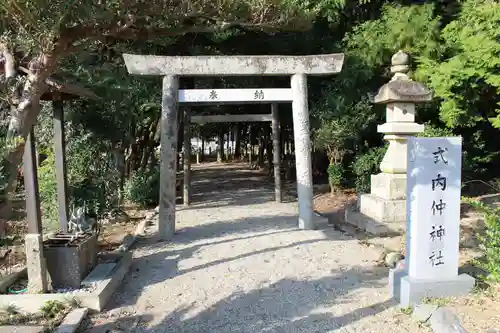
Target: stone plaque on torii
298 67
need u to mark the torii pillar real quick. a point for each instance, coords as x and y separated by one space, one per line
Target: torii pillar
298 67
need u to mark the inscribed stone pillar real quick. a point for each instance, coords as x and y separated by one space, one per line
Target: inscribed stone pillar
384 209
35 260
433 223
187 158
166 220
302 150
276 152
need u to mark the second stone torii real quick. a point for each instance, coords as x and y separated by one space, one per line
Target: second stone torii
233 96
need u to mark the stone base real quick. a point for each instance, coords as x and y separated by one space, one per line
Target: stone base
318 221
413 291
389 186
395 276
373 226
95 300
35 263
381 209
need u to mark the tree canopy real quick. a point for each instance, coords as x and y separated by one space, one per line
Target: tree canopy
454 47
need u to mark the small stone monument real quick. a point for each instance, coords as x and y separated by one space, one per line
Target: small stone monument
384 209
433 222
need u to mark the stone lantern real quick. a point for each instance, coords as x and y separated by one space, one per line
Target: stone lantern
384 209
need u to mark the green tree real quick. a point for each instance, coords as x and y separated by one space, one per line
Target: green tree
340 131
466 77
37 34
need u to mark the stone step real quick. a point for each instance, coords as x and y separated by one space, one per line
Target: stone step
72 321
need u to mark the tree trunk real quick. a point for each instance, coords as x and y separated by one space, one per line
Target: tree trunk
333 189
237 143
228 146
24 98
220 148
262 146
149 143
269 151
119 155
202 155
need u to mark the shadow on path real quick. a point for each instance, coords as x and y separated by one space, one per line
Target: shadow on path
163 263
345 287
218 185
288 305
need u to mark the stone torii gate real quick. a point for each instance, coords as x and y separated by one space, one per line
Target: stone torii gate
298 67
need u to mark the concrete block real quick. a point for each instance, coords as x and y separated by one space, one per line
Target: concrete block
22 329
383 210
389 186
72 321
127 243
94 300
68 262
413 291
99 273
443 320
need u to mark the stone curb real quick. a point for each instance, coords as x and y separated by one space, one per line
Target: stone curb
441 320
140 231
72 321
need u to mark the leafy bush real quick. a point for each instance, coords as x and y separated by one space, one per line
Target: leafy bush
143 187
490 241
93 179
335 175
365 165
52 309
433 131
48 193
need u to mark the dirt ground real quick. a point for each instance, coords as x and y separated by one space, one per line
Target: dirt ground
479 311
12 255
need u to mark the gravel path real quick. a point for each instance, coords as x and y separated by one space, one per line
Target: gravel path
238 264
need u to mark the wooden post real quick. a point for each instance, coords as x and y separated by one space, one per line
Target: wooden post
33 211
35 261
60 156
220 149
